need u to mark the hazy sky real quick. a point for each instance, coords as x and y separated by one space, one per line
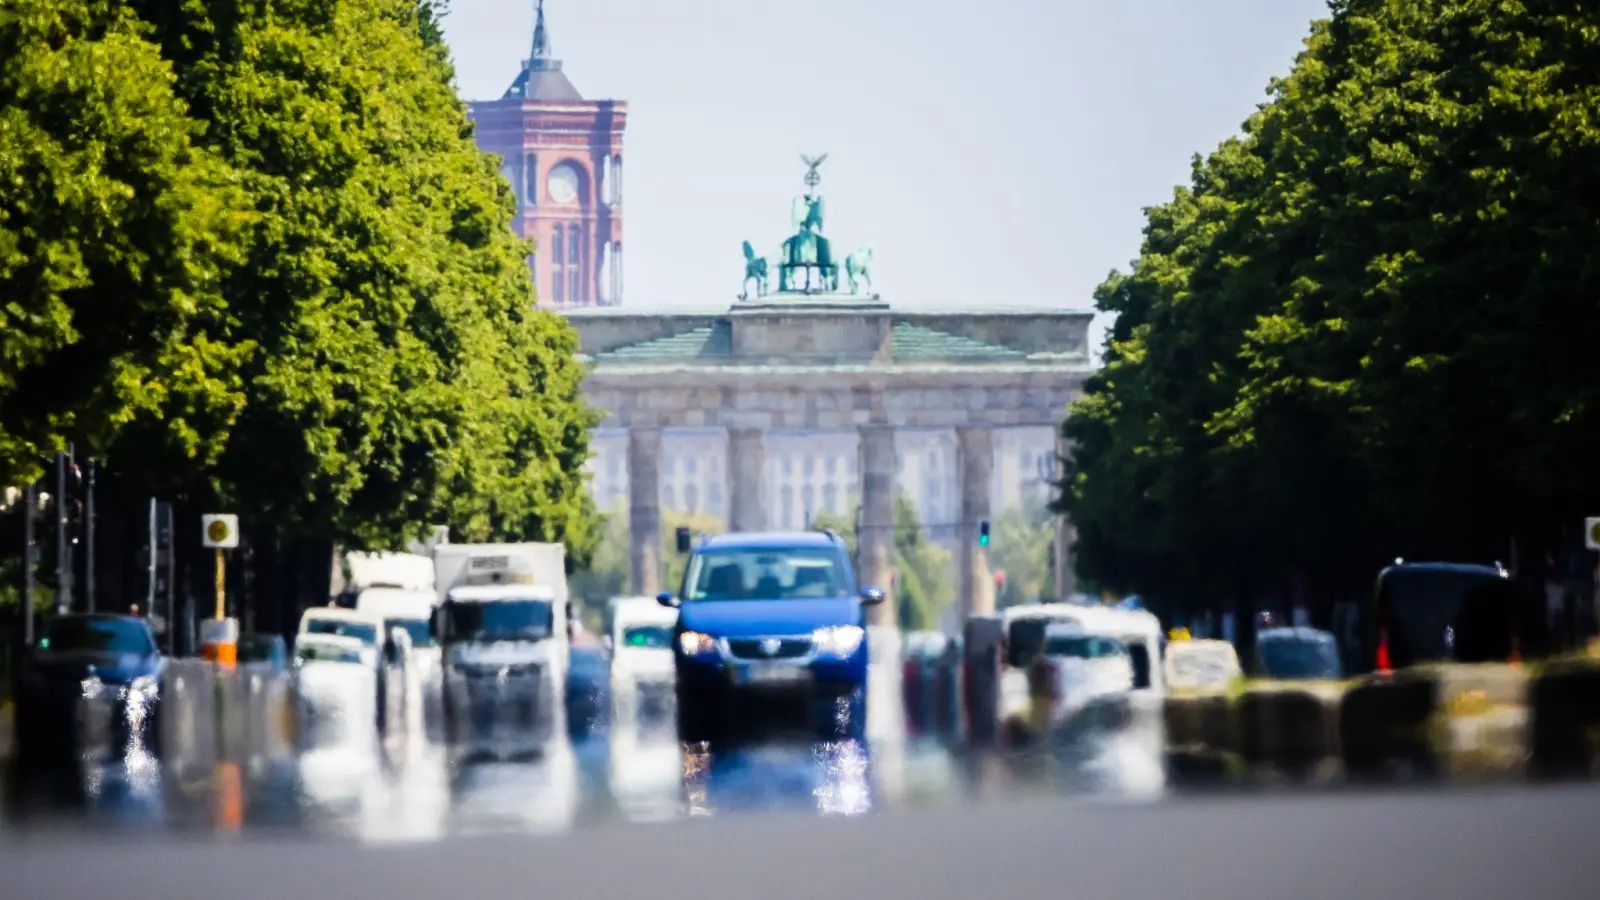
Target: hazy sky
994 154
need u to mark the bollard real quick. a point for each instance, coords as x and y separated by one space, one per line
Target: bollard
981 678
219 642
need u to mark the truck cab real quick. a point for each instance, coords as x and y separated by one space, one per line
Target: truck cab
766 621
503 643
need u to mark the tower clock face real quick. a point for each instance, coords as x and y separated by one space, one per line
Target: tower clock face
563 184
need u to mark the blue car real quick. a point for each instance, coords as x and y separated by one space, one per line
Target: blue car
769 621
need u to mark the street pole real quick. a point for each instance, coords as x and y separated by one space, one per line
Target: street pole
63 561
29 498
222 587
155 556
88 547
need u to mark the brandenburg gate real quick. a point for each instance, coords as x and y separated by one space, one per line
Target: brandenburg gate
820 355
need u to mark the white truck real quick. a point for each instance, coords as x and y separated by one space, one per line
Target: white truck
503 636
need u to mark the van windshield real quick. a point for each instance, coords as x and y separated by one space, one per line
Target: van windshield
500 620
421 635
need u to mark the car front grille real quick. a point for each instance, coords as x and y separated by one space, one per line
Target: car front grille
787 648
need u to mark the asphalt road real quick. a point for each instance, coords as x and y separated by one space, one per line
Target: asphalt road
1519 843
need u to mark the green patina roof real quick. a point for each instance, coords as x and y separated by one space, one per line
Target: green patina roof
711 342
914 343
907 344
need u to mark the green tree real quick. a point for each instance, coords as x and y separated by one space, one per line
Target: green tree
116 223
1358 333
925 580
395 371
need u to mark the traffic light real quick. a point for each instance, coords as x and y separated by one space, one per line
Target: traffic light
983 532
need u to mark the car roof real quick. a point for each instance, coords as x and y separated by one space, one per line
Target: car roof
339 613
1458 568
332 640
761 540
1297 633
99 616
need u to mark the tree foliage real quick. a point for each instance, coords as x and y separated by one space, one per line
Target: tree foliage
925 577
1365 329
290 287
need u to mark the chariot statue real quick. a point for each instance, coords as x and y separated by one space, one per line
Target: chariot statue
805 261
808 253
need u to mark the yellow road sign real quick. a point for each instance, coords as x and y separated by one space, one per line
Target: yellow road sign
220 531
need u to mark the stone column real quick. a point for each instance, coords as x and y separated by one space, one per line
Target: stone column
1066 581
747 464
975 471
875 536
644 509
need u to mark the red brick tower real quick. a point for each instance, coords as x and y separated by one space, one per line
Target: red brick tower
563 157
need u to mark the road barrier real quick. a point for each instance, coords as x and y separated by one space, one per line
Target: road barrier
1457 722
1288 729
1564 731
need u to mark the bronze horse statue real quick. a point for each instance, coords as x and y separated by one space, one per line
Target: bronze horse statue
755 267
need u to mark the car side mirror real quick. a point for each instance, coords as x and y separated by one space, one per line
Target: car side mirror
871 596
683 537
666 599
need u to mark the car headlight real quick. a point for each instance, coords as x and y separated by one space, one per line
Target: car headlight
841 640
693 643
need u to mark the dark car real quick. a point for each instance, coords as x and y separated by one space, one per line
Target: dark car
767 623
1298 654
1444 612
588 691
109 659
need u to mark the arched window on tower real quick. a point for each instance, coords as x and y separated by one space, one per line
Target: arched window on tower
575 281
558 264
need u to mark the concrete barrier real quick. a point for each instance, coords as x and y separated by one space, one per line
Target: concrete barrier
1288 729
1200 735
1564 731
1464 722
980 667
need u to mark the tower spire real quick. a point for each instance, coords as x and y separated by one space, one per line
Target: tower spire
541 40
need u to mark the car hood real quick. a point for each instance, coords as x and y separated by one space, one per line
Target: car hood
111 668
748 618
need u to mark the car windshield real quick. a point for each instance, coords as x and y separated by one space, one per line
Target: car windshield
500 620
255 648
421 634
76 634
365 632
1083 646
319 652
651 636
1301 658
768 573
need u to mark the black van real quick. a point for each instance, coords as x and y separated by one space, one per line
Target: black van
1442 612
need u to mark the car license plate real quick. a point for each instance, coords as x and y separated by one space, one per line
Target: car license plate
768 675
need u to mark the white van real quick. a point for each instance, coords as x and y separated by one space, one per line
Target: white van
642 674
1025 629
